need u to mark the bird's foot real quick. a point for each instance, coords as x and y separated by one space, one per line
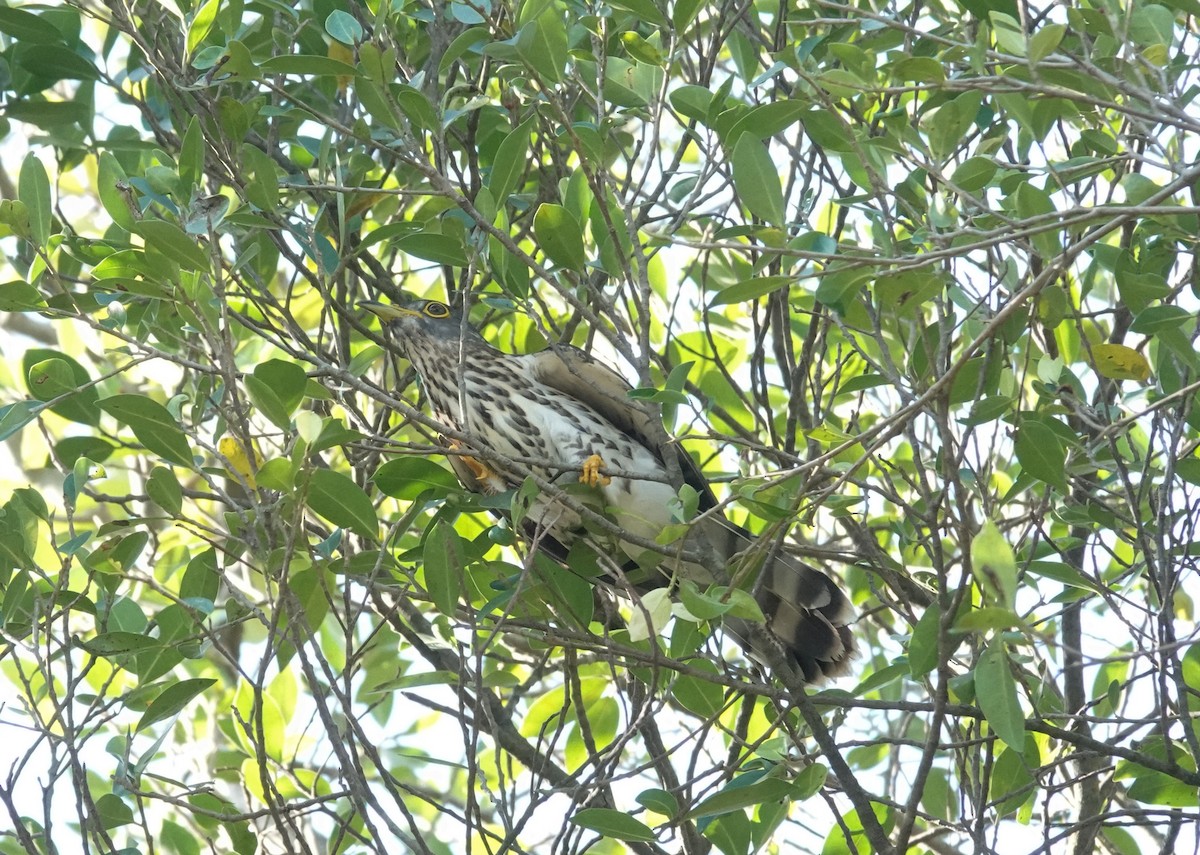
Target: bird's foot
591 474
486 478
482 472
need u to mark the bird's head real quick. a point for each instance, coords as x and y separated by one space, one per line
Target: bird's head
419 326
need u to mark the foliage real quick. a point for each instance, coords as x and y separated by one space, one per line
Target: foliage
915 282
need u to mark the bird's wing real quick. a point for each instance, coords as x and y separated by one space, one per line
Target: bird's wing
575 373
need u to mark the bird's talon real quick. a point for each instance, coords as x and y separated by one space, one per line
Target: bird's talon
591 474
484 474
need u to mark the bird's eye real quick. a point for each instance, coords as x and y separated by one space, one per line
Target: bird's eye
437 310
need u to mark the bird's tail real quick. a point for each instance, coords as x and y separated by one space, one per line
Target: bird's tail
808 615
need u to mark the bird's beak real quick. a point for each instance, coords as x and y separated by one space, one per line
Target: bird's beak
384 311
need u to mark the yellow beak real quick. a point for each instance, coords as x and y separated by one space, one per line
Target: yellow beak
385 311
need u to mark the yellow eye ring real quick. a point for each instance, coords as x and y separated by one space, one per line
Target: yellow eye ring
435 309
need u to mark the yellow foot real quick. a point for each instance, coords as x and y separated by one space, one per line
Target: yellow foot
591 474
486 478
482 472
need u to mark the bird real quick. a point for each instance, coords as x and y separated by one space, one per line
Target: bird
567 418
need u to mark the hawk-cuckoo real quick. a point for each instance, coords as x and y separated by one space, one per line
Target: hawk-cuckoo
568 418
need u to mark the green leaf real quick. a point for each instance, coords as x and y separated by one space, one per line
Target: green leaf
15 215
637 48
444 566
1157 318
766 120
948 126
659 801
201 580
28 27
880 679
52 63
334 432
118 643
750 289
164 490
937 798
1158 788
651 615
645 10
277 474
201 25
1152 25
756 178
438 248
287 379
987 619
1045 41
301 64
49 115
988 409
50 379
906 293
921 69
276 387
542 39
268 404
923 645
975 173
996 693
379 105
112 189
569 594
739 796
1138 289
683 13
344 27
191 155
703 605
1034 202
613 823
827 130
810 781
1011 780
339 500
704 698
1063 573
994 565
152 424
1041 454
840 285
416 107
410 477
171 701
34 190
560 236
112 812
71 448
20 296
511 161
13 417
692 102
469 40
171 241
1010 36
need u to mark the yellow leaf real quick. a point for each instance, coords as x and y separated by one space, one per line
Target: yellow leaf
364 201
1118 362
237 461
342 53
